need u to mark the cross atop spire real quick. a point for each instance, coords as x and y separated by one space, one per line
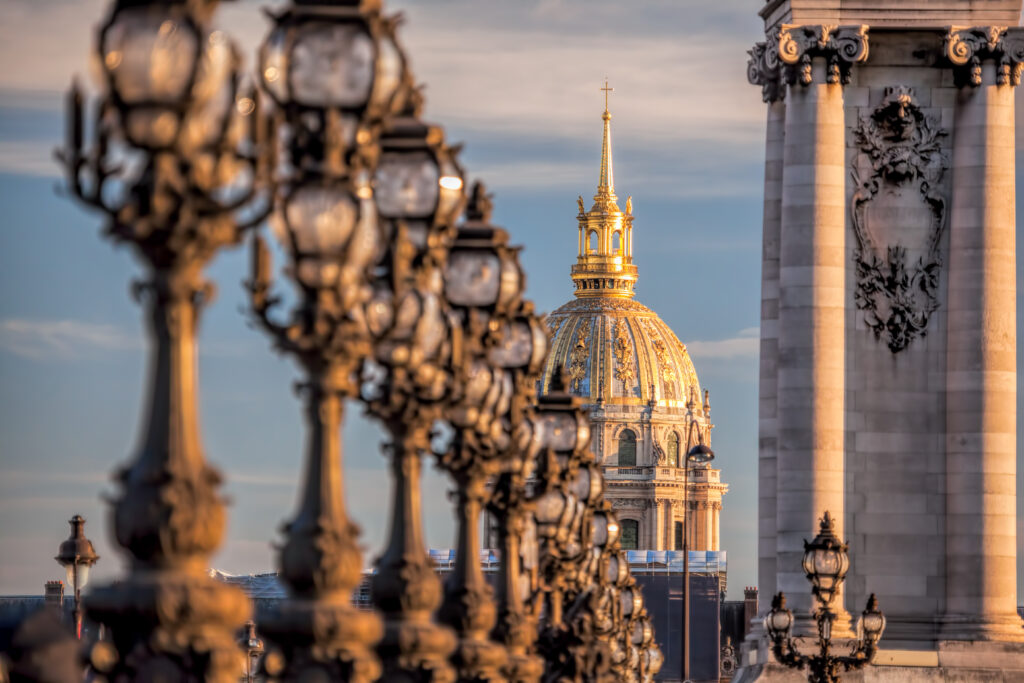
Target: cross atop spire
606 182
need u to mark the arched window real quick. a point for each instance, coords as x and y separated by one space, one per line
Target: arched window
672 449
630 534
592 242
627 449
616 241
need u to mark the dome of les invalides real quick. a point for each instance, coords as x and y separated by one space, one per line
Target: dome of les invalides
638 382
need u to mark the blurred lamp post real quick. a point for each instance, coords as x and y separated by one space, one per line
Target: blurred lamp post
826 562
77 556
698 455
253 650
174 161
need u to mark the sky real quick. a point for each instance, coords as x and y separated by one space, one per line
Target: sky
518 83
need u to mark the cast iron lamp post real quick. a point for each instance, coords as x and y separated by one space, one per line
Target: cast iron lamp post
499 348
333 71
826 562
175 161
419 193
700 455
77 556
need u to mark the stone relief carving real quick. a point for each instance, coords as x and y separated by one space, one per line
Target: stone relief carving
966 48
623 346
630 504
897 294
579 356
764 69
659 453
841 46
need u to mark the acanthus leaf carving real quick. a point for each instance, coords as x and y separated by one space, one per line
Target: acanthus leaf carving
904 149
764 69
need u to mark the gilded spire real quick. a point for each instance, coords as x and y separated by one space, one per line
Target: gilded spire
606 181
604 265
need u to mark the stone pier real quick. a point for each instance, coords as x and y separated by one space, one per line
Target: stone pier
888 328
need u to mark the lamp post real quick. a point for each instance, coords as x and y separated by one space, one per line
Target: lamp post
176 164
77 556
699 454
826 562
334 72
253 649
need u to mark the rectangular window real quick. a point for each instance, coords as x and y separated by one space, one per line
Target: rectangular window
630 534
679 536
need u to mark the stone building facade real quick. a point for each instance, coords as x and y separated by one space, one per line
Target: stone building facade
640 386
888 330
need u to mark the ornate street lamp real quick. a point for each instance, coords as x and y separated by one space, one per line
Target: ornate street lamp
77 556
825 562
698 455
498 350
325 230
253 646
177 164
334 71
418 191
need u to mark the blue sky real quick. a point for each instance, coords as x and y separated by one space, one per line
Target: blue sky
518 82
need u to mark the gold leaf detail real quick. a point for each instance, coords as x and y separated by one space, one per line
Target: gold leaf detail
623 352
578 357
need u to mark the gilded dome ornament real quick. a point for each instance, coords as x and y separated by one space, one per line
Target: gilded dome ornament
623 352
578 359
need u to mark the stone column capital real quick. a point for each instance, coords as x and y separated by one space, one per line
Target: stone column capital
764 69
966 48
840 46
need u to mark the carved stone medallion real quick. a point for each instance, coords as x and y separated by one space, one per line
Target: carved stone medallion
898 217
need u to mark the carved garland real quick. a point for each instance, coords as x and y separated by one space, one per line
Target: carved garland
904 150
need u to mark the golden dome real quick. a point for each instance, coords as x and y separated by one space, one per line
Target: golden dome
614 350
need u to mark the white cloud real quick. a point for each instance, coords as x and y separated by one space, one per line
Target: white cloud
26 157
745 345
62 339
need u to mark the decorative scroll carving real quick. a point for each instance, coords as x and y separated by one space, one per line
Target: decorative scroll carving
764 69
903 147
623 346
840 46
966 48
578 357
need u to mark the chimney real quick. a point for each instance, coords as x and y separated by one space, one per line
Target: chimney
53 595
749 608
